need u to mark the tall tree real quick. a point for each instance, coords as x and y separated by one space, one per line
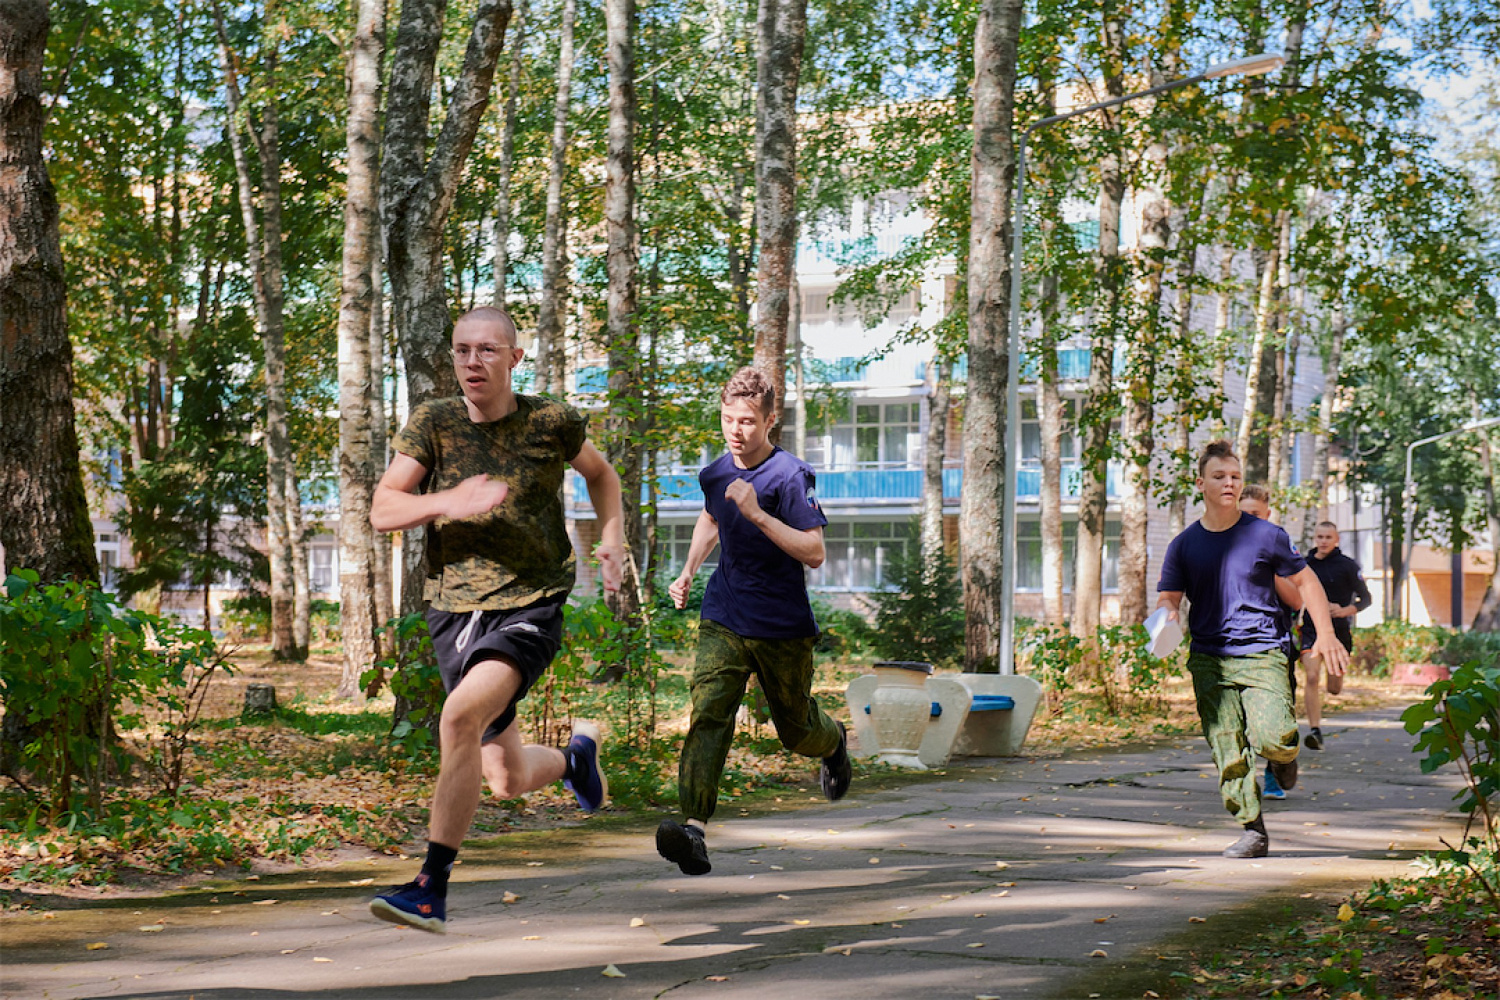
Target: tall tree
46 525
1101 404
416 192
510 121
986 428
358 617
551 329
628 412
263 253
782 32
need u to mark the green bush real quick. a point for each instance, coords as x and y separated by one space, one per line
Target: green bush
923 617
247 618
75 668
1466 647
413 676
1378 650
841 632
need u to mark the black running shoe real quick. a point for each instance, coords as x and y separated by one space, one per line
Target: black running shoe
836 773
1314 740
683 845
1286 774
585 777
413 904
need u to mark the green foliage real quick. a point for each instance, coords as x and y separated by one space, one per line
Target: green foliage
413 676
1459 723
1380 649
922 618
1471 647
75 667
1114 662
841 632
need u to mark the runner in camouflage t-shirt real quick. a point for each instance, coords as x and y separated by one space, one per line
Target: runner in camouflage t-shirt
483 472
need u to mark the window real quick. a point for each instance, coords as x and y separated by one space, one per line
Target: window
1031 432
676 540
1029 555
870 436
320 568
859 554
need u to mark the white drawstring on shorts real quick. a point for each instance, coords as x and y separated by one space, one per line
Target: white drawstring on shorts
468 632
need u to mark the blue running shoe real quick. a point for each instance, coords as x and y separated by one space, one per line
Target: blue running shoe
584 777
1273 787
413 904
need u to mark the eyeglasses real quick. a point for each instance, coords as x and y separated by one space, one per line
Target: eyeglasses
486 353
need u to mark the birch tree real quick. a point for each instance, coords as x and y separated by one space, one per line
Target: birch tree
782 32
986 431
358 617
550 328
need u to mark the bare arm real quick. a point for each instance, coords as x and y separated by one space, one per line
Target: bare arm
705 539
805 546
1172 601
1288 593
604 493
397 505
1316 603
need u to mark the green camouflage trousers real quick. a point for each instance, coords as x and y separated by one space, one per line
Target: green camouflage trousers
721 671
1245 705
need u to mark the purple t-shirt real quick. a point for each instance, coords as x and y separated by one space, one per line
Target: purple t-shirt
759 591
1230 578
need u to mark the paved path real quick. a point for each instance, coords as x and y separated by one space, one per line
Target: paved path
893 893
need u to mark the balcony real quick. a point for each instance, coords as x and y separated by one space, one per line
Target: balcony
872 487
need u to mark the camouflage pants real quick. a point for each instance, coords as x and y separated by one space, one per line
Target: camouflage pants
721 671
1245 705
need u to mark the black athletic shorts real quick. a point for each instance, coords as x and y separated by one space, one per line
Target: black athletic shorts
1310 635
526 638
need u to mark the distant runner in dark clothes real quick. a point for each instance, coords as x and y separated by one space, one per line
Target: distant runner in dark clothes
1347 597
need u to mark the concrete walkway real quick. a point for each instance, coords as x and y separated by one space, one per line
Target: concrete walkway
999 879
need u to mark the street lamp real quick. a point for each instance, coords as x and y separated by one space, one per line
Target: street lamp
1408 488
1248 66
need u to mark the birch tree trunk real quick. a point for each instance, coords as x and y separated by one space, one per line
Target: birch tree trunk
416 193
1487 618
1050 413
986 430
934 450
358 618
1182 423
46 526
508 157
799 368
1252 459
1093 493
380 565
549 319
263 254
628 416
782 30
1139 441
1321 437
301 588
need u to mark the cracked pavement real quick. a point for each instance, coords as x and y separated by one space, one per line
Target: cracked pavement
996 878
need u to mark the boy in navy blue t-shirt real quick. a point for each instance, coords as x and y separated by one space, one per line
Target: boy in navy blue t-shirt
761 510
1227 564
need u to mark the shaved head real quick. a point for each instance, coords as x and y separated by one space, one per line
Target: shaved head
491 316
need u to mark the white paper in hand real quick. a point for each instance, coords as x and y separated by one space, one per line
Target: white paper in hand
1165 635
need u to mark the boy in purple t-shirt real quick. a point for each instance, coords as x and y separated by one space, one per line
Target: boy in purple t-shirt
760 509
1227 564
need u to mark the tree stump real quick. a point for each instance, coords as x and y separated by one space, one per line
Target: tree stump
260 699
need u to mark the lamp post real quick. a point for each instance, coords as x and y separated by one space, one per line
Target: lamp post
1247 66
1408 488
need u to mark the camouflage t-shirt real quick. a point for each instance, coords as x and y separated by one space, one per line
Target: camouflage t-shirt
517 553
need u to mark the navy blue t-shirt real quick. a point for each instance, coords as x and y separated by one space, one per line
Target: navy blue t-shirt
759 591
1230 578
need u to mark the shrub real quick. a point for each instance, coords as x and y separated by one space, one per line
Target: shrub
1466 647
247 618
923 617
841 632
413 675
1377 650
75 667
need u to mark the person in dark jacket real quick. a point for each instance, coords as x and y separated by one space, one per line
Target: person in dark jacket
1347 597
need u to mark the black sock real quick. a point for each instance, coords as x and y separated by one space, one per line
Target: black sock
438 865
570 767
1258 824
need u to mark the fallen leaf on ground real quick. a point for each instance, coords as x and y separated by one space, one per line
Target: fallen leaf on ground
1001 865
800 923
612 972
535 864
1101 920
288 951
264 902
510 897
361 881
974 944
152 928
532 937
717 979
1197 920
319 958
96 946
1098 953
1346 912
874 861
780 896
637 922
